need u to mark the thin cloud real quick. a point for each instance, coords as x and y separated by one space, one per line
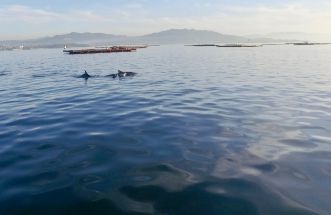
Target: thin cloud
39 16
137 18
27 14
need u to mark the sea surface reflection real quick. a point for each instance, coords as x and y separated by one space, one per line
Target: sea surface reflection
199 130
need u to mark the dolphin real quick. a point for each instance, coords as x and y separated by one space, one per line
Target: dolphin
112 75
85 75
122 74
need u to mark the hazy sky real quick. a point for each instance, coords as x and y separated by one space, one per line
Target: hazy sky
21 19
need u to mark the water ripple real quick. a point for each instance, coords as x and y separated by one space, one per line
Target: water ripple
198 131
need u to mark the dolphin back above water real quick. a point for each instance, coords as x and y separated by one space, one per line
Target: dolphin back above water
85 75
125 74
121 74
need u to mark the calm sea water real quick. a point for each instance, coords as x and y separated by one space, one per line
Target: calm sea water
200 130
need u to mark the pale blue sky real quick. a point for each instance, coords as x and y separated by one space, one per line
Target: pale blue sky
20 19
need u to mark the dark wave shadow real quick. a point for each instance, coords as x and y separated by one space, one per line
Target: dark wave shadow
64 201
4 72
228 197
44 75
40 76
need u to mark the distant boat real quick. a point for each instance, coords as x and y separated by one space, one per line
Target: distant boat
65 46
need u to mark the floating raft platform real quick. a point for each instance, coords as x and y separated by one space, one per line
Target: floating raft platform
202 45
226 45
113 49
237 46
309 44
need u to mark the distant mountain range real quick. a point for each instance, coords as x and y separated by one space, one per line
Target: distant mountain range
186 36
173 36
301 36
